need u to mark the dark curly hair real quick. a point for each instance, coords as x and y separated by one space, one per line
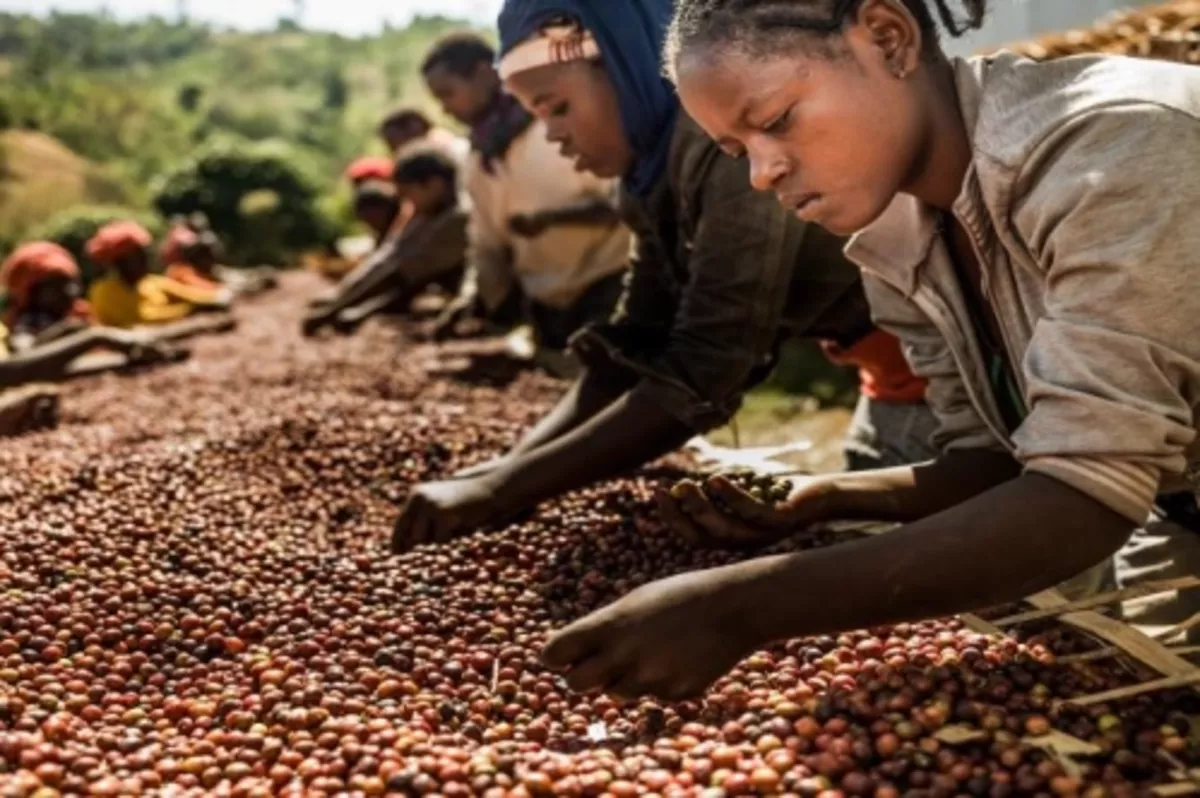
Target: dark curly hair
756 25
459 53
424 165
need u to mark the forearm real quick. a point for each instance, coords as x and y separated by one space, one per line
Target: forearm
628 433
910 493
591 213
373 280
595 390
48 362
60 330
1011 542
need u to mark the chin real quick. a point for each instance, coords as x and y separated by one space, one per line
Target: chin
845 222
598 169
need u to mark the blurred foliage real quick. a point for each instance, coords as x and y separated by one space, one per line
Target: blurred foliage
803 369
258 198
254 129
73 228
137 100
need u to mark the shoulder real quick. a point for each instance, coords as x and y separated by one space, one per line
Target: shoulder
693 158
1024 106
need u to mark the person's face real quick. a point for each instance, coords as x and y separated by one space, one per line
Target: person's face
427 198
466 98
203 258
397 136
55 295
579 106
376 215
834 129
133 267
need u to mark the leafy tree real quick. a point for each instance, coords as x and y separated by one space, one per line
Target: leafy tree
257 198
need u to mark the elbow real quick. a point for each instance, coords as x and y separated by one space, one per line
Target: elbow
1088 530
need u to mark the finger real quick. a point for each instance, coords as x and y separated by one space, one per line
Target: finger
573 644
678 520
410 529
400 542
742 503
594 673
679 691
628 687
714 522
402 534
422 528
443 528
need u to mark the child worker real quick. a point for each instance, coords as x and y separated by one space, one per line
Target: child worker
42 281
408 127
375 201
542 234
1014 230
429 250
191 254
47 326
128 295
721 274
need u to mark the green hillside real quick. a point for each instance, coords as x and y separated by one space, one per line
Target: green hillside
133 100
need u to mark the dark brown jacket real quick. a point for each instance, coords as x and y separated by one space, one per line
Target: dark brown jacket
719 276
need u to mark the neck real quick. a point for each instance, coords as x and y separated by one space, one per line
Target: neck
941 171
493 103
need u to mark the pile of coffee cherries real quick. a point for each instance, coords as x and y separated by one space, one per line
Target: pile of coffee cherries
198 599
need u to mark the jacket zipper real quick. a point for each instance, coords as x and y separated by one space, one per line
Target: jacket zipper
943 319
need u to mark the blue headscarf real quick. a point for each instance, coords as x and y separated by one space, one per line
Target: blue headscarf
630 35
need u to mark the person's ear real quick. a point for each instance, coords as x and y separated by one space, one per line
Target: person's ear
895 34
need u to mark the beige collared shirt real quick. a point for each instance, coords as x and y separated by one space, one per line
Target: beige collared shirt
1082 203
558 266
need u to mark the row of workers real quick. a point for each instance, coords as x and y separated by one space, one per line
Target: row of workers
517 230
48 325
1024 229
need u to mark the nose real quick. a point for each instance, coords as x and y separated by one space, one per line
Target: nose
556 133
766 169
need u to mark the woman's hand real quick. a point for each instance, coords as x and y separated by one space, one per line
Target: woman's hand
440 511
670 639
720 513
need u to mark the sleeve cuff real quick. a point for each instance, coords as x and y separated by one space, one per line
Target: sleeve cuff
601 345
1125 488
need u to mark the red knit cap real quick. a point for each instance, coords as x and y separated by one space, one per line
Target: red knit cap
370 168
117 240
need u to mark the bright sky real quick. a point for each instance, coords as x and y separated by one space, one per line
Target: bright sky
346 16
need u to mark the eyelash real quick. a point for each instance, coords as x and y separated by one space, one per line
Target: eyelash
559 110
780 123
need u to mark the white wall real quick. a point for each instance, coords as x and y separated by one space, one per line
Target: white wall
1017 20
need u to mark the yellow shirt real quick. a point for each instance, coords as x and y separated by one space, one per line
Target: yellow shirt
155 300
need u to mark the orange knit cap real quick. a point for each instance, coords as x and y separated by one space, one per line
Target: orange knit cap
29 265
175 245
32 263
117 240
370 168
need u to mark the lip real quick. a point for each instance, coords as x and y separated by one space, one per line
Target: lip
802 205
582 163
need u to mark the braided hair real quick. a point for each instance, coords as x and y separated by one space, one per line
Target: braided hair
753 24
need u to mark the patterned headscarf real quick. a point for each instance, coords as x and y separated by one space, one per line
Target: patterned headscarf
628 35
